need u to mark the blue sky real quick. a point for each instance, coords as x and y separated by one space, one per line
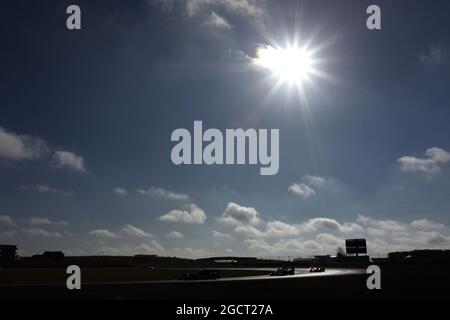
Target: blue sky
86 118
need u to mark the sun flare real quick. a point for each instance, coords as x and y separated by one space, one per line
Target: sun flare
292 64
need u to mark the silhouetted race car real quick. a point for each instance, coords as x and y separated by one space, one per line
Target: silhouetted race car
200 275
317 269
283 271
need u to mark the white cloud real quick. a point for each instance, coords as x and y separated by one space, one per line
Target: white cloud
39 232
326 235
175 235
120 191
424 224
248 231
236 215
391 235
217 22
200 10
7 220
220 235
246 8
20 147
317 181
103 233
45 221
302 190
160 193
432 162
191 214
310 183
281 229
265 55
318 224
131 230
289 247
434 56
45 189
375 232
69 160
385 225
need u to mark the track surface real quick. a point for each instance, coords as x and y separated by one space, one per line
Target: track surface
331 283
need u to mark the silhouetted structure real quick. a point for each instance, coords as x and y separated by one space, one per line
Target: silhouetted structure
421 256
356 246
57 256
323 259
8 254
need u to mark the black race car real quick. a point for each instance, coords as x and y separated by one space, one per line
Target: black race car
317 269
283 271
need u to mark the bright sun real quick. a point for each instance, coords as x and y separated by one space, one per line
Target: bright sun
291 64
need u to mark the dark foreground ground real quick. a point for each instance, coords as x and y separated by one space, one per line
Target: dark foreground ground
413 282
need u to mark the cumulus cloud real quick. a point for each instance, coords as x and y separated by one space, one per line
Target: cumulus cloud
317 181
131 230
39 232
308 186
103 233
20 147
69 160
297 247
383 236
248 231
302 190
264 57
319 224
324 235
430 164
7 220
237 215
36 221
160 193
220 235
245 219
424 224
45 189
279 229
120 191
392 235
191 214
174 235
16 147
390 226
